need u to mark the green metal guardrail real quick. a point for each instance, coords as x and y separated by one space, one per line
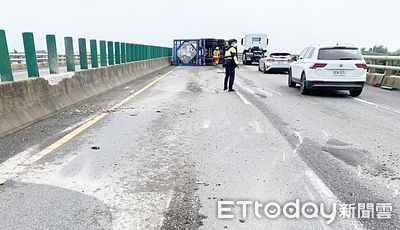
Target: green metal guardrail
111 53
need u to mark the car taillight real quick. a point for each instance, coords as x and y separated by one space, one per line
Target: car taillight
362 66
318 65
270 60
290 60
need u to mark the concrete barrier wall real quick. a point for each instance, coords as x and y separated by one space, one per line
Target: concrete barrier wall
24 102
380 80
392 81
375 79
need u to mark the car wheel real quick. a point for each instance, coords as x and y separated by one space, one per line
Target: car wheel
259 68
303 87
291 83
355 92
265 69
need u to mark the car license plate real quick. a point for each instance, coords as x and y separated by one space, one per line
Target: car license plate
339 73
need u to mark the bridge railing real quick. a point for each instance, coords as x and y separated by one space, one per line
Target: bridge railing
20 58
387 65
111 53
383 71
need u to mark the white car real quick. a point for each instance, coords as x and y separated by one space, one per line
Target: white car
275 61
329 67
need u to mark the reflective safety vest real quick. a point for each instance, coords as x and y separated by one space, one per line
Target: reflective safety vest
231 53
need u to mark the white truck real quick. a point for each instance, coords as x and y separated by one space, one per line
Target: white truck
255 47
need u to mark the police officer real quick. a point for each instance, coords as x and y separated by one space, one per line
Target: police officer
231 62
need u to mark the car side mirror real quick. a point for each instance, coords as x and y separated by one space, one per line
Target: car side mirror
294 58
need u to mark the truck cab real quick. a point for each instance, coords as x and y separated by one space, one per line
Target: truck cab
255 47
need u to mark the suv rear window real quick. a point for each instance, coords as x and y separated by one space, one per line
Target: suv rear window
339 53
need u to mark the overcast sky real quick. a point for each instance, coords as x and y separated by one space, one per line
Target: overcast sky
291 24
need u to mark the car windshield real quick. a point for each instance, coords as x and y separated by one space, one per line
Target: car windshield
339 53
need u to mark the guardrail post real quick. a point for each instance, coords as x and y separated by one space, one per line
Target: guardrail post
136 52
133 52
103 54
52 54
139 51
372 62
143 52
69 53
387 71
110 53
30 54
117 53
128 52
94 59
83 53
5 62
131 47
123 52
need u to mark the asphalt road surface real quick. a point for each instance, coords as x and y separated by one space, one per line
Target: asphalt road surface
161 153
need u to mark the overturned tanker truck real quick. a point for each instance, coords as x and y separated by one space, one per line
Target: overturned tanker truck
197 52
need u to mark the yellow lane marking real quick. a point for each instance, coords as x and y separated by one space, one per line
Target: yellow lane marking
141 90
2 181
88 124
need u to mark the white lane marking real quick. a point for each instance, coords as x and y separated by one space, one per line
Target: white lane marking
377 105
247 89
264 92
274 91
321 187
244 100
251 91
328 197
309 191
